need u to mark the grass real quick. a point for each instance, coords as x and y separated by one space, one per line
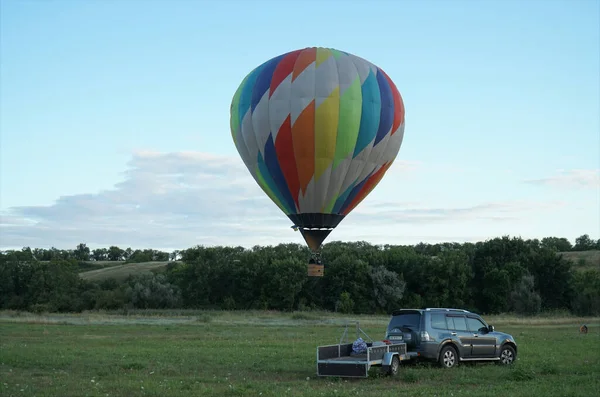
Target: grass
220 353
121 271
583 260
95 265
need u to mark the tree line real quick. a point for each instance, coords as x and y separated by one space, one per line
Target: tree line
111 254
116 254
505 274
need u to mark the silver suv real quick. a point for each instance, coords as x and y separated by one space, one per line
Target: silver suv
449 336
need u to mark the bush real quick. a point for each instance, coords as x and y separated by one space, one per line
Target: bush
345 304
586 300
152 291
110 299
388 288
524 299
229 303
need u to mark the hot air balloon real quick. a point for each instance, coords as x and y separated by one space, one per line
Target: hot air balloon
317 128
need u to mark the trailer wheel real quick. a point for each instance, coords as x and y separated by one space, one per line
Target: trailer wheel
394 366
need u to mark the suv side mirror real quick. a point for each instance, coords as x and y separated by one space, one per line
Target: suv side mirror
490 328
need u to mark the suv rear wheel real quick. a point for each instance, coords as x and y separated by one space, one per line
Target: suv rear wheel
448 357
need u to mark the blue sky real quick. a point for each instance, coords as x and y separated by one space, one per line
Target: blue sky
123 107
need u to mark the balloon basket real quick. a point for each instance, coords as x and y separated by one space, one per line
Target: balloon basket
315 266
315 270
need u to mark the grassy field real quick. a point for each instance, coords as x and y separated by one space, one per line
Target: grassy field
95 265
267 354
119 271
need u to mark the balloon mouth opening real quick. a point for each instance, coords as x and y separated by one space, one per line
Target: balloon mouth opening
315 221
315 227
312 228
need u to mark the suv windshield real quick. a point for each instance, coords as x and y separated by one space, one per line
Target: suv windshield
410 320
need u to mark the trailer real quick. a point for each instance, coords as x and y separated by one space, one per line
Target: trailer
339 360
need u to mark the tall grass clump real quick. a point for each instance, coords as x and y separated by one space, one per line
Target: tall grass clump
522 373
204 318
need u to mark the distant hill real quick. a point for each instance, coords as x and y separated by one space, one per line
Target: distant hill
121 272
583 260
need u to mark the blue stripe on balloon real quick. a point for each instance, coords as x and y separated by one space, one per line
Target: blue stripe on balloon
354 193
341 200
386 117
345 199
371 112
246 94
263 82
277 175
264 171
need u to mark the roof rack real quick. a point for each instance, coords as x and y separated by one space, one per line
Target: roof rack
398 311
448 309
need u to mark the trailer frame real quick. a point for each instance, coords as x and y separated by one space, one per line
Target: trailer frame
338 360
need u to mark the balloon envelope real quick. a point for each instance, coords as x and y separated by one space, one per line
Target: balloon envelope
317 128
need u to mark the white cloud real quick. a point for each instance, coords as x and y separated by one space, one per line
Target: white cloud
570 179
495 211
177 200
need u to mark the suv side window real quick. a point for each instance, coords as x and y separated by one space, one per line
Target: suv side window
475 324
438 320
457 323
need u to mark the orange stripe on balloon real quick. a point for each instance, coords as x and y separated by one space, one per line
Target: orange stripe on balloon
306 57
284 147
367 187
398 104
303 136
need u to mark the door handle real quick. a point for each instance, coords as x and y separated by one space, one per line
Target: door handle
476 335
453 333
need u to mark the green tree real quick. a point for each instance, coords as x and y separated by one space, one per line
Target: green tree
584 243
100 254
39 286
41 254
553 277
524 299
175 255
345 304
559 244
82 252
388 288
115 253
284 282
152 291
345 273
496 287
586 299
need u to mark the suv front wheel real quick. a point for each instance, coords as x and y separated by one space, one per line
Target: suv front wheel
448 357
507 355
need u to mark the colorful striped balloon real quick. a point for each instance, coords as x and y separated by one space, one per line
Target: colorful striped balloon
317 128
